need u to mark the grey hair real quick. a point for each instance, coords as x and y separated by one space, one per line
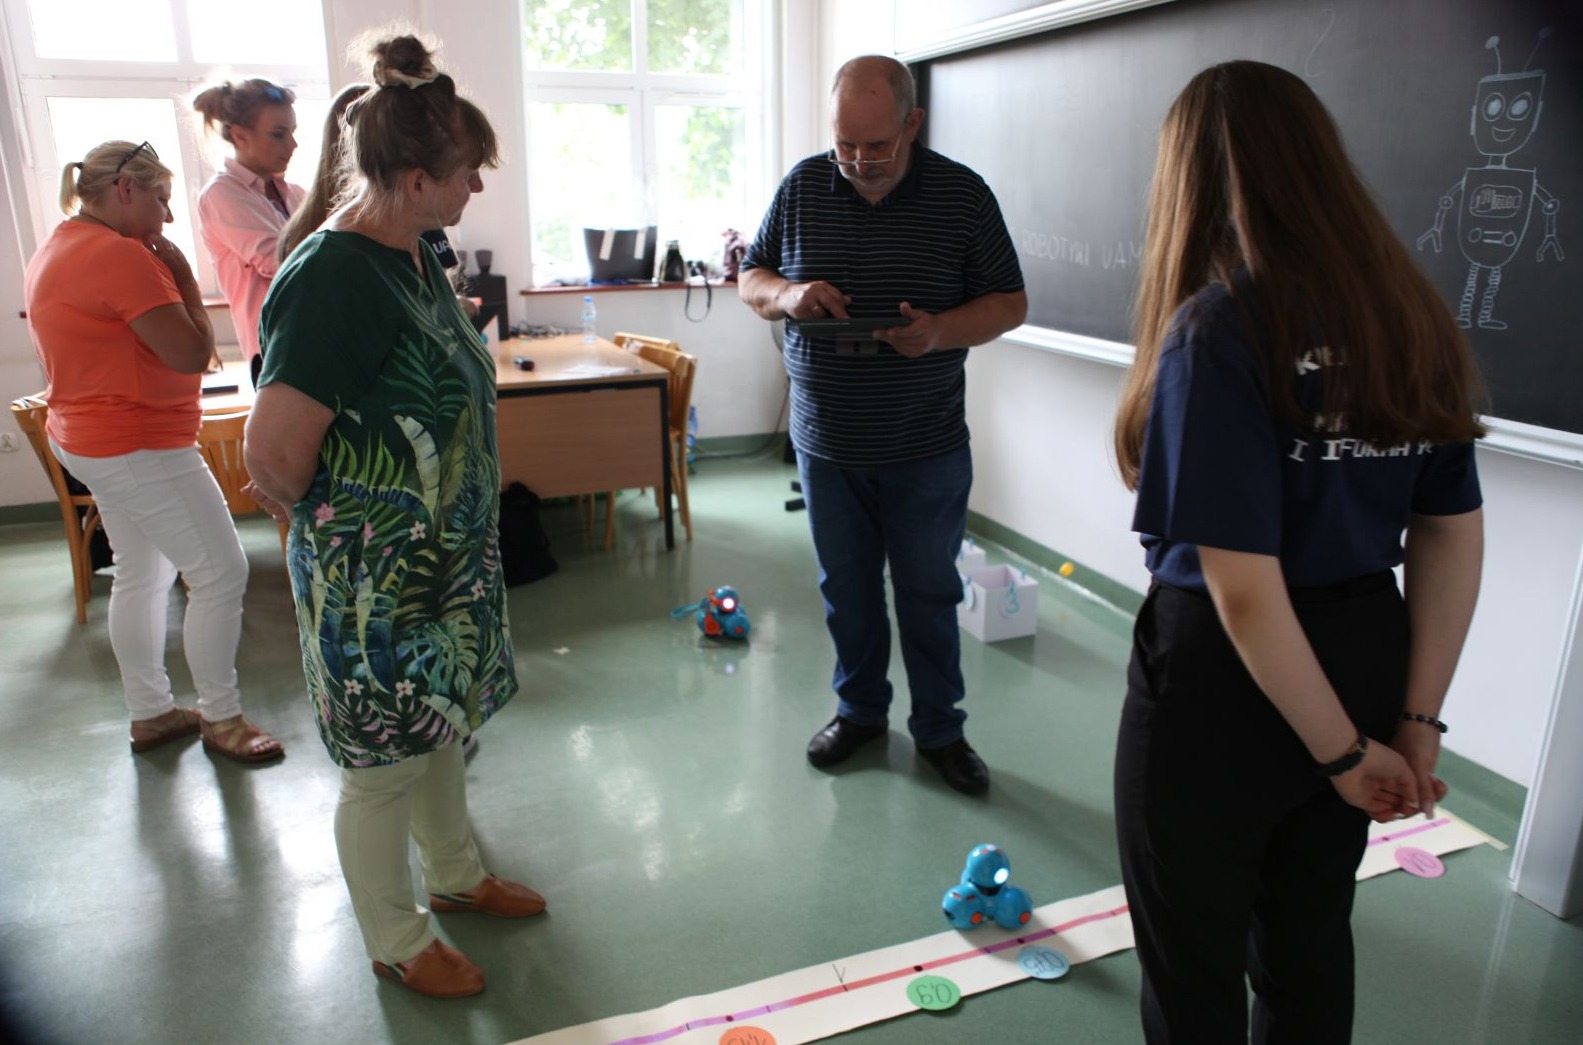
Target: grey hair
902 85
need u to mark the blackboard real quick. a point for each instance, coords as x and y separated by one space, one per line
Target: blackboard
1063 125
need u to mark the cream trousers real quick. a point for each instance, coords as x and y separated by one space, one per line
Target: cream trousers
425 797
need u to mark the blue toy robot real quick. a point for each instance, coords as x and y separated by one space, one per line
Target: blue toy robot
983 893
720 614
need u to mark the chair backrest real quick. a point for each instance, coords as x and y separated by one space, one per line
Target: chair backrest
682 367
220 441
634 342
30 413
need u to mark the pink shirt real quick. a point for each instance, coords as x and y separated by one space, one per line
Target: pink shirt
240 228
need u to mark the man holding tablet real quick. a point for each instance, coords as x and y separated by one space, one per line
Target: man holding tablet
910 247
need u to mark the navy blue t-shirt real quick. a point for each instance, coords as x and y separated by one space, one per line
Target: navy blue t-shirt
1221 469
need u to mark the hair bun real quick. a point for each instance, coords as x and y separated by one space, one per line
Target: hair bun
403 62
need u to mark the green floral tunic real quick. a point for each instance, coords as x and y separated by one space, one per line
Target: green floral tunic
394 552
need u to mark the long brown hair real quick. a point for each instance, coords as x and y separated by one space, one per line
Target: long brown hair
1252 175
330 181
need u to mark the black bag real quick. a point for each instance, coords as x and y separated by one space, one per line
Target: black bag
524 546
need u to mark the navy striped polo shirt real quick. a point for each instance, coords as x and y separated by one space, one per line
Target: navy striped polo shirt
936 241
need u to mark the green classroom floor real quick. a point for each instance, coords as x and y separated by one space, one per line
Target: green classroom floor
652 785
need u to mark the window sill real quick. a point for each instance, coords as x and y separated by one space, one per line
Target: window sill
613 288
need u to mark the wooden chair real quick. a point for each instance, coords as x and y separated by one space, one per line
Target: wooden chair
78 513
220 441
683 368
661 351
633 342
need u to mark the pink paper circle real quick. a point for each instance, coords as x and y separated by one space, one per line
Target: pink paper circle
1419 862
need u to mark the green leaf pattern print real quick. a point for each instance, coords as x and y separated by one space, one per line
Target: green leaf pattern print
394 555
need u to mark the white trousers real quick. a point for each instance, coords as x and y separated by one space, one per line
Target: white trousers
425 797
164 515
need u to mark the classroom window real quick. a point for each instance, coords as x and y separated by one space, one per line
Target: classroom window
97 70
641 112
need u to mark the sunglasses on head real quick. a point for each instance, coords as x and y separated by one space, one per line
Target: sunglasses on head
128 157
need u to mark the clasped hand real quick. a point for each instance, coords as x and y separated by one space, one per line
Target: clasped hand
279 512
1388 787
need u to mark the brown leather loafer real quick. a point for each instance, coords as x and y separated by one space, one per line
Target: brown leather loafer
437 971
494 896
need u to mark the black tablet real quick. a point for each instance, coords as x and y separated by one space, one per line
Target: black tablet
854 329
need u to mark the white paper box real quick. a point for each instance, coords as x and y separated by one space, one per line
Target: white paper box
998 602
969 557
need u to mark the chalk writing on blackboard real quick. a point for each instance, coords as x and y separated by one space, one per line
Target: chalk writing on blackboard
1497 200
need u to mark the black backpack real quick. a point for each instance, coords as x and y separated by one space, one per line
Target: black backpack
524 546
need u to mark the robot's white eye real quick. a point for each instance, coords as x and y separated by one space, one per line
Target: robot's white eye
1494 105
1520 105
1001 875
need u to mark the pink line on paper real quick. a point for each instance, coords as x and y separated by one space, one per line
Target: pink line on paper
1420 829
884 977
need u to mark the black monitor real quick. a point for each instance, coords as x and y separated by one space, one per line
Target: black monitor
620 255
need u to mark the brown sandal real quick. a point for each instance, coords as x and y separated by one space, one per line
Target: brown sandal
239 740
150 733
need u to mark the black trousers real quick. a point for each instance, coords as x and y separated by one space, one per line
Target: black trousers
1238 860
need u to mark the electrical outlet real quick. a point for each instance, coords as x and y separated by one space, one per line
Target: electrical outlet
10 443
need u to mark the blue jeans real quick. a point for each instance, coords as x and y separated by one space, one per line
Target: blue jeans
914 514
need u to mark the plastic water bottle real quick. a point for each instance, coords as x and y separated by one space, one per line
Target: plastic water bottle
589 314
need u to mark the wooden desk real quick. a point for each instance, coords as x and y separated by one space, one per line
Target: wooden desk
563 433
224 400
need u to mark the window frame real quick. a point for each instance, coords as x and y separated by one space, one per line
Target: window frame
644 93
38 79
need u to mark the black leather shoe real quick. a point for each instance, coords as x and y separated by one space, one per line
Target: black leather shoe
959 766
835 742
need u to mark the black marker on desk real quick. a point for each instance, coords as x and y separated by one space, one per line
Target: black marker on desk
522 362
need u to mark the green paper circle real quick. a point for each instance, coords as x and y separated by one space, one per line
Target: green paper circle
935 993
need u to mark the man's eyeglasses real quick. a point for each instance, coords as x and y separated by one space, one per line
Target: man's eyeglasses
835 157
129 156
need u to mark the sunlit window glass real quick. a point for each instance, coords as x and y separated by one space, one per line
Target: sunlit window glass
310 136
695 36
104 30
701 151
226 33
579 175
588 35
79 124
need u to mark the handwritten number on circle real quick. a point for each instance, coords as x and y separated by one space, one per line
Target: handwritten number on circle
935 993
747 1036
1043 963
1419 862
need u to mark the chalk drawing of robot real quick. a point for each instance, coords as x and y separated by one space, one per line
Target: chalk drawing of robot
1497 200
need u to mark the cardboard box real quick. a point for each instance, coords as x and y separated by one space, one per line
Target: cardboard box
998 602
969 557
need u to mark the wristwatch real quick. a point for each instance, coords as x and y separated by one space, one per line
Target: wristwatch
1346 761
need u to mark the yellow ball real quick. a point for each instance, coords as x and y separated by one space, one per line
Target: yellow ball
1066 569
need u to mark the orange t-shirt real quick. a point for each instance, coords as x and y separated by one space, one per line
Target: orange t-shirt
109 394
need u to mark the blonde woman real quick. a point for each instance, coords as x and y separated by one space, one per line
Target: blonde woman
122 335
243 209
